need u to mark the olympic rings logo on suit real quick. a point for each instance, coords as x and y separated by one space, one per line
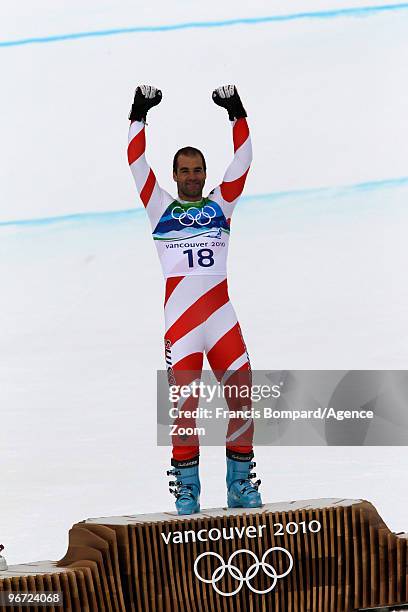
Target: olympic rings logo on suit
250 573
202 216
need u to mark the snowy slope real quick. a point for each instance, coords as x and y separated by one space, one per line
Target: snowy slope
326 98
82 339
317 277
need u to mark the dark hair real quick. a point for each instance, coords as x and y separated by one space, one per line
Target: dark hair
190 152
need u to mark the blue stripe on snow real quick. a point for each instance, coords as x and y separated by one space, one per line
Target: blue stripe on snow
114 216
329 14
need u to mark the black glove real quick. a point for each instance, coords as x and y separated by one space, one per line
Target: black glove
146 96
227 97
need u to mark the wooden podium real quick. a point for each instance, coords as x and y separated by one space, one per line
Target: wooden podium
327 555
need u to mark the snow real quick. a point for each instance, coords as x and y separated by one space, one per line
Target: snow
317 276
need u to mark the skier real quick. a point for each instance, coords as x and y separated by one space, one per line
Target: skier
191 234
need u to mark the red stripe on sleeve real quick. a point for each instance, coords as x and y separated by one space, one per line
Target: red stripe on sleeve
240 132
137 146
147 190
230 190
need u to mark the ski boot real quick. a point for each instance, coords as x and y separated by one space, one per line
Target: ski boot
187 487
241 491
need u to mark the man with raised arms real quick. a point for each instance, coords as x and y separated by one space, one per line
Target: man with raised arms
191 233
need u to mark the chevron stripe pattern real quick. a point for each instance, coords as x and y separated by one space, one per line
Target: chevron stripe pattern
200 319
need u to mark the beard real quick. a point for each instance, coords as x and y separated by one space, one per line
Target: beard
191 190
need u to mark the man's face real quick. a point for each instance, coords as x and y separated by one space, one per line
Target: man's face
190 177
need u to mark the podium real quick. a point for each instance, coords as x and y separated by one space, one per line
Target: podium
327 555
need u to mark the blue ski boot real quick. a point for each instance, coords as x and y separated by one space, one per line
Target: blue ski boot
187 487
241 491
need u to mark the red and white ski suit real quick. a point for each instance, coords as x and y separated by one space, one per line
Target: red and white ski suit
192 243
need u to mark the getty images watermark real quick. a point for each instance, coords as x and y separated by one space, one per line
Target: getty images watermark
294 407
200 391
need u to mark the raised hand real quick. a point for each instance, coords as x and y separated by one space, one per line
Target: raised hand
146 96
227 96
